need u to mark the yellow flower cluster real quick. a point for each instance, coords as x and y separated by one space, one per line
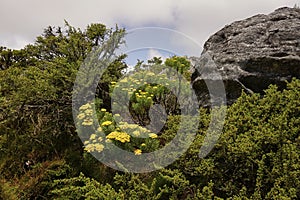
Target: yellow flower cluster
136 130
120 136
125 125
153 135
144 130
140 95
93 136
88 112
106 123
85 106
93 144
136 133
137 152
93 139
87 122
99 129
94 147
85 112
81 116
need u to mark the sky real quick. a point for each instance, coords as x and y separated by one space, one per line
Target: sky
22 21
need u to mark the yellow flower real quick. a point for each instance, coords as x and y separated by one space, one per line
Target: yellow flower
99 147
99 129
81 116
112 135
143 144
137 152
106 123
136 133
100 139
93 136
103 110
153 135
86 142
113 82
108 140
85 106
88 112
123 125
120 136
94 147
89 148
87 122
144 130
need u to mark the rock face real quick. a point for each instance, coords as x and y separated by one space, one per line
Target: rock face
253 53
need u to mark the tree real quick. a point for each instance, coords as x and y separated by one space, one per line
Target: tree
36 98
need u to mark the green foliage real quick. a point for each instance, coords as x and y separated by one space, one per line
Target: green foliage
154 83
37 182
166 184
7 190
258 149
181 65
256 157
82 187
36 84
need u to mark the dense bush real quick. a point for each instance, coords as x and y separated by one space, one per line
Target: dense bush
256 157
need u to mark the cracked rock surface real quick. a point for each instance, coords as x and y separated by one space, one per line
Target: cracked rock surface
251 54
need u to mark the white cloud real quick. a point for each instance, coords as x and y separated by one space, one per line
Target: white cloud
24 20
154 53
200 19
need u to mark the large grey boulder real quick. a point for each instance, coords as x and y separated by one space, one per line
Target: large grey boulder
251 54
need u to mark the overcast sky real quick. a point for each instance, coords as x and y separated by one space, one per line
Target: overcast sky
22 20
